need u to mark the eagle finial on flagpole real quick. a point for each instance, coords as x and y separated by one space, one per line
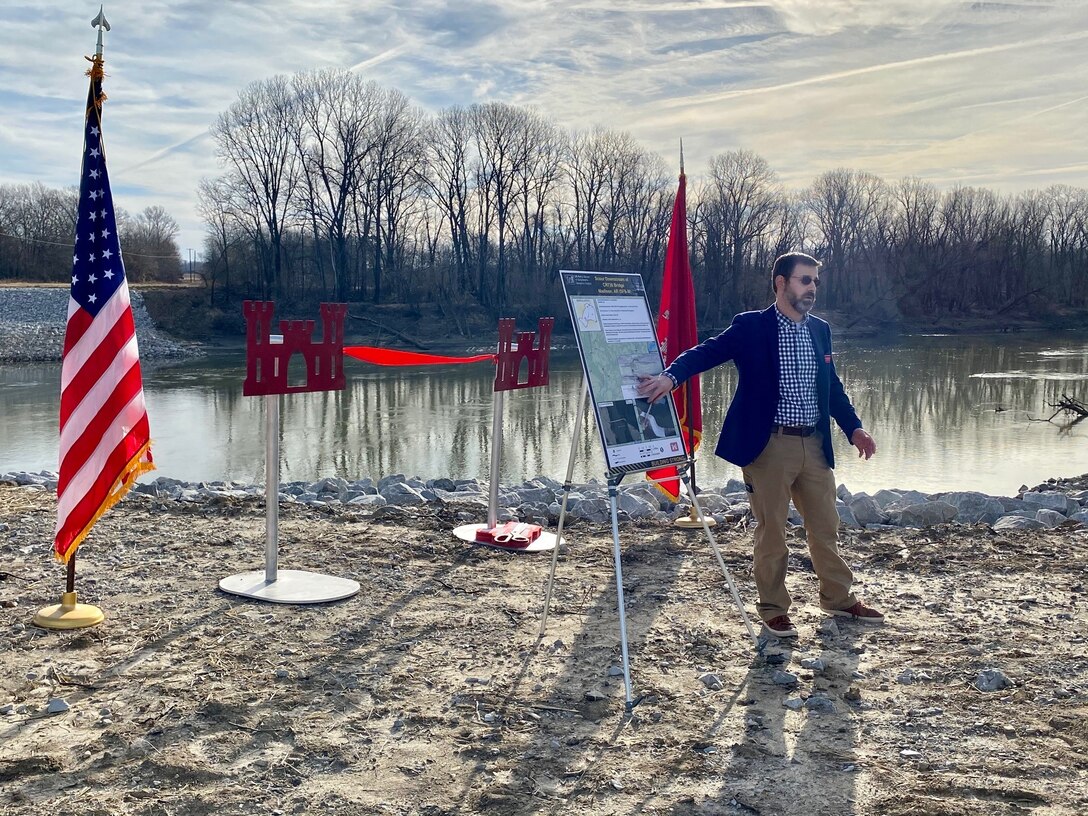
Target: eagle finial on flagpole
102 24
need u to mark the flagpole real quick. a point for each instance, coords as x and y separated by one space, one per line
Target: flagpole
693 521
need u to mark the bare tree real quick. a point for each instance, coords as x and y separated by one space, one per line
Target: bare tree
149 245
254 139
449 145
336 111
744 200
394 171
847 206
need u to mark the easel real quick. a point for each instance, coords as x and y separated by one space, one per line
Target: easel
267 358
508 361
614 478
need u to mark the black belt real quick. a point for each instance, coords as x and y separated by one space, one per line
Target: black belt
790 430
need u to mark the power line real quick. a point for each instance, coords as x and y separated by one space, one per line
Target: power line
57 243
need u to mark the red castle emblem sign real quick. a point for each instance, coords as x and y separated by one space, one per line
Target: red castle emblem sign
267 362
510 357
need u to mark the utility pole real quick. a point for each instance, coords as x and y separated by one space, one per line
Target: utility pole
190 265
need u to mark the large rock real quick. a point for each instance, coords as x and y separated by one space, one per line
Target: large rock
368 500
734 486
1018 523
1015 507
737 511
534 512
333 484
974 507
363 487
713 503
885 497
907 498
634 506
1051 518
925 514
866 510
649 494
546 481
843 494
846 515
1052 500
461 498
536 495
395 478
400 494
591 510
1081 516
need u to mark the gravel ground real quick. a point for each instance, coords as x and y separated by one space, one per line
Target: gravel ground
430 692
32 327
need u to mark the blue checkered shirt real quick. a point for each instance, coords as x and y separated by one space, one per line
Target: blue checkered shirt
797 404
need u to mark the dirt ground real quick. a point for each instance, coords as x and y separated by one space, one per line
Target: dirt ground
429 692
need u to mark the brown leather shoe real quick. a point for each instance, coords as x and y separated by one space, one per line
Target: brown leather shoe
859 612
780 627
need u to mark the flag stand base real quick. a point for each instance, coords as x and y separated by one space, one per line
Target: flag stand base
68 614
290 587
694 521
542 543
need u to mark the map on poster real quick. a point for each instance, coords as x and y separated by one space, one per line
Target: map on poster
617 343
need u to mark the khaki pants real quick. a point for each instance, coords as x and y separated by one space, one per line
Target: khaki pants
795 466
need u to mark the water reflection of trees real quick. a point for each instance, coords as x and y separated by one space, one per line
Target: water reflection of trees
920 399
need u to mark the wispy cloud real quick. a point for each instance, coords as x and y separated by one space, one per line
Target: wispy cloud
951 90
378 59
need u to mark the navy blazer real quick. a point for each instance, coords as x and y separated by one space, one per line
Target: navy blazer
751 342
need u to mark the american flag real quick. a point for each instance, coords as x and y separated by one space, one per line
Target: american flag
104 436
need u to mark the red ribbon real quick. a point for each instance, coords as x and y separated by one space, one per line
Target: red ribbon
391 357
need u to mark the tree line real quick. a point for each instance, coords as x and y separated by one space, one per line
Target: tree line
336 188
37 233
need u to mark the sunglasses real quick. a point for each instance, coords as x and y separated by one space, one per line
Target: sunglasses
807 279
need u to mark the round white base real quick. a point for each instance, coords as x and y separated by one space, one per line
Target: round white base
290 587
467 532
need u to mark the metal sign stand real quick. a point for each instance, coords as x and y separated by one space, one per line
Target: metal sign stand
267 375
508 366
614 480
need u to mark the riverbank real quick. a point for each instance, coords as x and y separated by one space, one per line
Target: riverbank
176 321
1059 502
32 323
429 691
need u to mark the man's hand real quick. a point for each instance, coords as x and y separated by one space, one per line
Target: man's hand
654 388
865 444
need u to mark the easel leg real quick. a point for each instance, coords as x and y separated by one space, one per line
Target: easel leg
721 563
613 489
563 509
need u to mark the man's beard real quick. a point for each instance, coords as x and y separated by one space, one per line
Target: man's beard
802 304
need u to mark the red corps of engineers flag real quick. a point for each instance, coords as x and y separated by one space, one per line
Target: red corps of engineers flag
676 332
104 437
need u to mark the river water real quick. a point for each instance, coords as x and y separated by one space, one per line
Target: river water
948 413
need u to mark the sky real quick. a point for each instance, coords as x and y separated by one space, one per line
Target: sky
957 93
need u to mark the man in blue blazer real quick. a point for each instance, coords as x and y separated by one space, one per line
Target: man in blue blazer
778 431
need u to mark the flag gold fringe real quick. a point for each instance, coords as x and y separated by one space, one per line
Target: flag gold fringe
132 471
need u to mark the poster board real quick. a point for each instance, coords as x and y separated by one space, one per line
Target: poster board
618 344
